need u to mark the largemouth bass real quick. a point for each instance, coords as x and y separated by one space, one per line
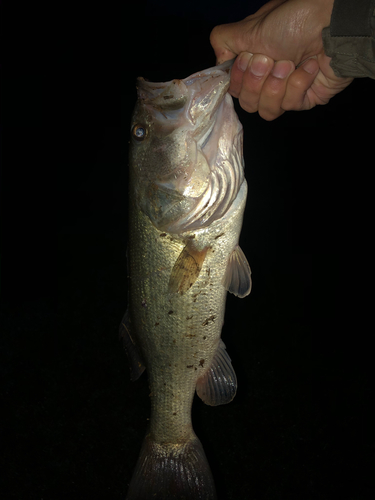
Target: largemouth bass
187 198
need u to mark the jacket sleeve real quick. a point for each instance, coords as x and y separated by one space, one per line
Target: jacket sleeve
350 38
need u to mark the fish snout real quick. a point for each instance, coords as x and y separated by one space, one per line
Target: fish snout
167 96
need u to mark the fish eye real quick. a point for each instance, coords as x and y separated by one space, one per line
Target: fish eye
139 132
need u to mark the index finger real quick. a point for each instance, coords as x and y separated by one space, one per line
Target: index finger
219 38
238 69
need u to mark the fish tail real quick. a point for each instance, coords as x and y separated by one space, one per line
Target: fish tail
172 472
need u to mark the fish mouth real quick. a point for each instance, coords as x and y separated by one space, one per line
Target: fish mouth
198 95
199 105
209 88
212 107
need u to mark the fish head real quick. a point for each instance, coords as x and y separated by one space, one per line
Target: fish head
180 130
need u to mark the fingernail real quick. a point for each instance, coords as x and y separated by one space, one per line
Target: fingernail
259 65
310 66
243 60
281 69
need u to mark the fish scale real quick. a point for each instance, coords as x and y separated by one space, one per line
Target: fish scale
178 284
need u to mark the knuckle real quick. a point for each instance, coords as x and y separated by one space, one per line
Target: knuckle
297 82
250 107
216 35
269 115
234 92
274 87
288 106
293 103
251 84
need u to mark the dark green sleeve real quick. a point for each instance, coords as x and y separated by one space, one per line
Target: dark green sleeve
350 38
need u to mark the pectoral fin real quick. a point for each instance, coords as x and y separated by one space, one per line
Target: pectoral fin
136 364
218 385
186 269
237 279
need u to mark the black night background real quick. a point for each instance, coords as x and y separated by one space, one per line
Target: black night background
301 425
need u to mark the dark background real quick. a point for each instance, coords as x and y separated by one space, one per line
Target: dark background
301 425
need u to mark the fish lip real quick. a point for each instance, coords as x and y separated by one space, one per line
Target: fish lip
153 92
223 69
167 95
149 90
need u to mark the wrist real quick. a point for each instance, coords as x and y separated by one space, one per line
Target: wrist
326 8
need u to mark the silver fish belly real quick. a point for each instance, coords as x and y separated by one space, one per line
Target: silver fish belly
187 198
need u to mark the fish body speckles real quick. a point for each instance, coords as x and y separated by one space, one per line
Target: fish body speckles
187 198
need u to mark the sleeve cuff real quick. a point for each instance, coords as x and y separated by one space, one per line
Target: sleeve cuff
349 40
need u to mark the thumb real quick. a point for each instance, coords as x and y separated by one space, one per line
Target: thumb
227 40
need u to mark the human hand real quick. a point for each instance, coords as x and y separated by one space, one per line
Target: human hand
289 32
271 88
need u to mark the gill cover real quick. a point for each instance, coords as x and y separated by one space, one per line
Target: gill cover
186 156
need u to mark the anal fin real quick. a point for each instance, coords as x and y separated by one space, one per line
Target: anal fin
136 364
237 278
218 385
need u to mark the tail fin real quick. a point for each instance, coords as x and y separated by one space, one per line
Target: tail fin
172 472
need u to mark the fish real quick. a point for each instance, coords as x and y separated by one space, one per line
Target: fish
187 192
